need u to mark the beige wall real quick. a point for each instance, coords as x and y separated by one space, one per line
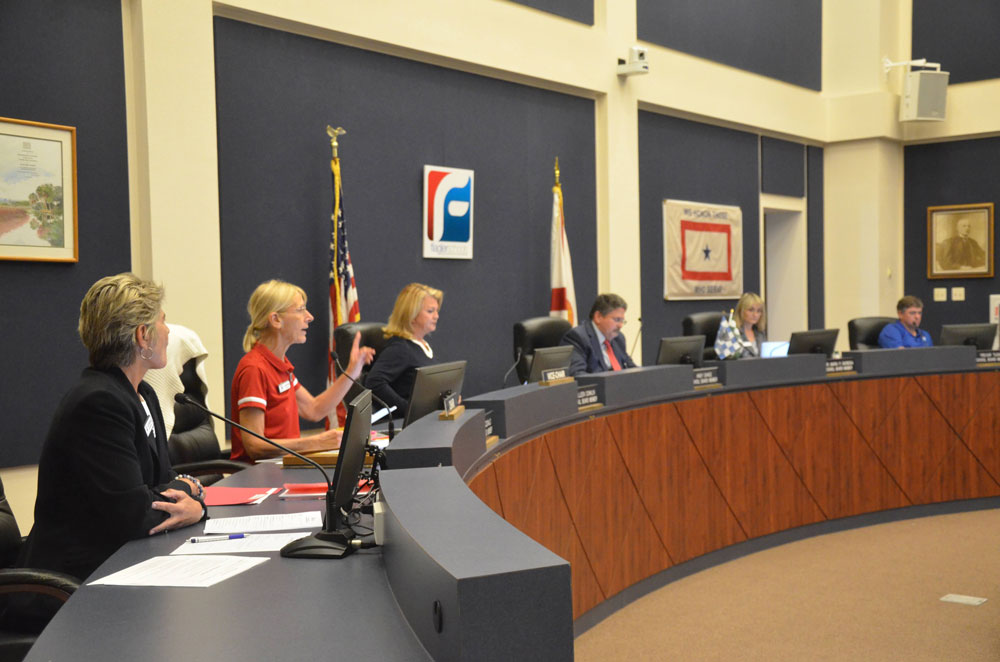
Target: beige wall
172 133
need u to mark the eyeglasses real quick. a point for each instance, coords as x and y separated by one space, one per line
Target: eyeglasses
301 310
619 320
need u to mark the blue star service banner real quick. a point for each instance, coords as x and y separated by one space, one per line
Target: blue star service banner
702 250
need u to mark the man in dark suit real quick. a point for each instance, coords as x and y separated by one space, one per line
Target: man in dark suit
598 344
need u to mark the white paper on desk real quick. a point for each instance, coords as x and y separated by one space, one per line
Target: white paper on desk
258 542
381 413
308 520
186 571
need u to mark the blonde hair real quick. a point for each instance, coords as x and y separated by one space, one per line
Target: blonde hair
272 296
407 307
111 311
751 299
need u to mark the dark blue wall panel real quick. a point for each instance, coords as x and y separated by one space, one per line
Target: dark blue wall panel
276 94
782 167
949 173
578 10
684 160
62 64
814 237
961 36
780 39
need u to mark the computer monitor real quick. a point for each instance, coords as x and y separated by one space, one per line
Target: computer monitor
351 457
682 349
772 349
333 541
549 358
814 341
432 383
980 335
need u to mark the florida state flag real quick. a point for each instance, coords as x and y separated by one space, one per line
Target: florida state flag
702 250
563 299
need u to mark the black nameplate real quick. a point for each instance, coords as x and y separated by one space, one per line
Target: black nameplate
840 367
586 396
706 377
450 402
987 357
553 374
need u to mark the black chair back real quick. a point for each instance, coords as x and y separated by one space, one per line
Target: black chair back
532 333
703 324
343 339
193 437
193 446
42 592
862 332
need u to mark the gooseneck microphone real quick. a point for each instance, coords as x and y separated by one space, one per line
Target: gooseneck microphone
327 543
638 334
517 359
392 429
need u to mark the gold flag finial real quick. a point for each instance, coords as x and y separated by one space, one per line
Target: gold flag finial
557 171
334 133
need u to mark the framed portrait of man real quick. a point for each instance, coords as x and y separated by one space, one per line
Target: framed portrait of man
960 241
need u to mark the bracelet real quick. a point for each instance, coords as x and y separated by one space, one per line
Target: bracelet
201 490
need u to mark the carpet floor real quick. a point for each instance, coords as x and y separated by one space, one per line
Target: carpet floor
872 593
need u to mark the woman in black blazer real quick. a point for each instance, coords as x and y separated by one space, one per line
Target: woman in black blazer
104 476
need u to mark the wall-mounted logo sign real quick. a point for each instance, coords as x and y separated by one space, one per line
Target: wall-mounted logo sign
448 212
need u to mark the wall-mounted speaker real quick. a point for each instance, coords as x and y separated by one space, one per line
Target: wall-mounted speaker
924 97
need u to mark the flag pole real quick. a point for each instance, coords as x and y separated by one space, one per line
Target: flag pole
334 134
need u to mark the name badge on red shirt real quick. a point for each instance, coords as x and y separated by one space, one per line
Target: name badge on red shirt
284 386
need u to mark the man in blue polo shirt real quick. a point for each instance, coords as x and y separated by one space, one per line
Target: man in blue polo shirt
906 332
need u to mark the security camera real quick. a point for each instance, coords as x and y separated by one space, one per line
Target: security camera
636 64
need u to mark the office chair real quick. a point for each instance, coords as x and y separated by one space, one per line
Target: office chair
191 441
17 637
862 332
535 332
703 324
193 446
343 339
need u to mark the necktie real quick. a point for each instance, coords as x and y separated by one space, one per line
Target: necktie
611 356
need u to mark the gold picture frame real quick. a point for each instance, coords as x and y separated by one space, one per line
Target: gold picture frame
960 241
38 212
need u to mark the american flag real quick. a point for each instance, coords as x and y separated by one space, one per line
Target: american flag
343 290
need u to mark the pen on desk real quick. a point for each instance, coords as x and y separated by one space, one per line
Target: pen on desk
231 536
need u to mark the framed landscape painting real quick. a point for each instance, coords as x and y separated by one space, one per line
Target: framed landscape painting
38 219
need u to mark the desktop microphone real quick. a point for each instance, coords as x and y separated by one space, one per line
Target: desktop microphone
326 543
517 359
392 430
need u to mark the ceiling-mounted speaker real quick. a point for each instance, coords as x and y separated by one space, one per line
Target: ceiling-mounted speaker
925 94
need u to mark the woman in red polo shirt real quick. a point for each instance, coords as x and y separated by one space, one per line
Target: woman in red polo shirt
266 397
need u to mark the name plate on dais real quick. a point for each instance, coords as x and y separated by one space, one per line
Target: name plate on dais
837 367
489 422
707 378
586 397
553 374
988 358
